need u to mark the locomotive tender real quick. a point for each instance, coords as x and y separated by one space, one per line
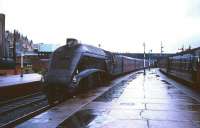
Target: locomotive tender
75 66
184 66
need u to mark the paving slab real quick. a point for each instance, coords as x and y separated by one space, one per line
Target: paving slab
173 124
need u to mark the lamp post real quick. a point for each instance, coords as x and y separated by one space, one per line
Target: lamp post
150 51
22 64
144 59
161 48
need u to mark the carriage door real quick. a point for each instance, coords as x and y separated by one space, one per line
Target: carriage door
109 64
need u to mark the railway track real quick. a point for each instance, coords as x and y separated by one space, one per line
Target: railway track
68 108
16 111
7 101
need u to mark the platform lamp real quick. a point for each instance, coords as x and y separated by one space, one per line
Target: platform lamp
22 64
144 59
150 51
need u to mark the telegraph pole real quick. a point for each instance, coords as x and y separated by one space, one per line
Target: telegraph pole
14 45
150 51
3 47
161 49
22 64
144 59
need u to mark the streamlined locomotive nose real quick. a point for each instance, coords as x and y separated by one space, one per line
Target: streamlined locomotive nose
57 86
57 79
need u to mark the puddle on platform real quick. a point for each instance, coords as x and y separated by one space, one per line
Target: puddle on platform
152 73
157 76
164 81
112 93
139 72
80 120
171 87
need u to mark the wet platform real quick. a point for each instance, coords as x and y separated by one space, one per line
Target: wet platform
56 115
150 101
16 79
14 85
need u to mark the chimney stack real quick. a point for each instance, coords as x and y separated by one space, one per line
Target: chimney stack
2 36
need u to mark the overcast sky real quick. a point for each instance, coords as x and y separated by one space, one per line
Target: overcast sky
118 25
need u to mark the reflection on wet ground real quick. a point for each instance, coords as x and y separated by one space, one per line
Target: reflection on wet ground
112 94
142 102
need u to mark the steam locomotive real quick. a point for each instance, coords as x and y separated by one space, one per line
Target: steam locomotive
75 67
184 66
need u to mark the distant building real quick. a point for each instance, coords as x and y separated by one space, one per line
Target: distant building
44 47
13 44
9 41
2 32
23 44
44 50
